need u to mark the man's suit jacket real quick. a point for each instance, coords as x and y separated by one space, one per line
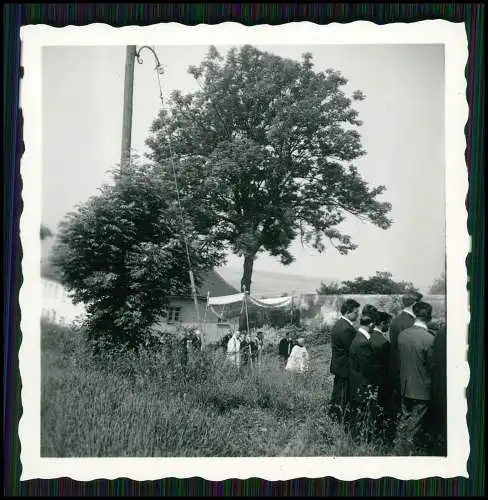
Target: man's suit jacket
415 350
360 367
284 347
342 335
381 358
400 323
439 375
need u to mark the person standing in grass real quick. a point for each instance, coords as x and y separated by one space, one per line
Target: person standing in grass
363 388
259 341
415 347
225 340
404 320
246 350
191 343
342 335
234 349
298 362
284 347
439 391
381 359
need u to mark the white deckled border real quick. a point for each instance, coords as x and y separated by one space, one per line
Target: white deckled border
453 36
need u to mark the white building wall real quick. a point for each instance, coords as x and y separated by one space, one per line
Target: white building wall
212 331
57 307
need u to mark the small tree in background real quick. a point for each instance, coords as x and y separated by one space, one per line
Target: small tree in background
439 286
122 253
45 232
380 284
330 289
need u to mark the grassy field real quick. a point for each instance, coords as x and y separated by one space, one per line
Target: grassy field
148 406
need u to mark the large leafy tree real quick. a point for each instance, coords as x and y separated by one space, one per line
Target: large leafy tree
264 154
122 253
381 283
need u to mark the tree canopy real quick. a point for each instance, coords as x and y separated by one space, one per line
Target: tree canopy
122 253
380 284
264 153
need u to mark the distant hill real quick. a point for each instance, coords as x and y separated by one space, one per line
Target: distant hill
264 283
267 283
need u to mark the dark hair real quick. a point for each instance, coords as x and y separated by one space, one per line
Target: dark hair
349 306
411 298
365 320
422 310
369 310
383 317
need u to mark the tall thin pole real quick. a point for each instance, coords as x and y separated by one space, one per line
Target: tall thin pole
130 58
195 298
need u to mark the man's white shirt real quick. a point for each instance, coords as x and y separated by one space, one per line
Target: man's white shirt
348 320
364 332
408 310
420 323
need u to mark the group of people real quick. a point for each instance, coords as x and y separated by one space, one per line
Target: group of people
244 349
294 355
391 373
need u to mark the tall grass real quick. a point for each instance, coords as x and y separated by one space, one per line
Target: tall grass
147 405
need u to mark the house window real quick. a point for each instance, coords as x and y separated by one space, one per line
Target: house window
174 314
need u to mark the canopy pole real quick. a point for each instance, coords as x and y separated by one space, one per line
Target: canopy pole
247 323
245 308
204 329
195 299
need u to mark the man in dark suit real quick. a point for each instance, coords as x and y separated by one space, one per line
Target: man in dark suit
415 347
381 366
362 377
439 392
342 334
404 320
284 348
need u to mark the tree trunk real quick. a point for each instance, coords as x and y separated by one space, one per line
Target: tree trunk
246 277
246 285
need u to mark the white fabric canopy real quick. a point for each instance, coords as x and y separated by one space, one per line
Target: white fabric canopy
225 299
272 303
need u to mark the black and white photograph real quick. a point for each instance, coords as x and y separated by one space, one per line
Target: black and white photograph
244 244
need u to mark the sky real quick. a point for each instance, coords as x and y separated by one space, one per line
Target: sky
402 132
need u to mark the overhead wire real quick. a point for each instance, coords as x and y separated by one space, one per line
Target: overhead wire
159 72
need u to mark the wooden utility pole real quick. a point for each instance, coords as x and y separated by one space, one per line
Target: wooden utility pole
130 59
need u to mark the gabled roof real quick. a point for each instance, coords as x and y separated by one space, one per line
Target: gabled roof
214 284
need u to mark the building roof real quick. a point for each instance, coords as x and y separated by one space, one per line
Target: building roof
215 285
212 282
